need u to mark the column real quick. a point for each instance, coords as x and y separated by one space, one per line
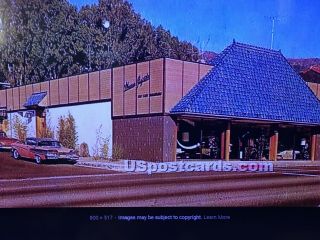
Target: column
175 138
276 142
169 137
40 122
227 145
223 143
273 146
313 147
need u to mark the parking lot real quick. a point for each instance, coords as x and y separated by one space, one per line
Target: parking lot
18 169
26 184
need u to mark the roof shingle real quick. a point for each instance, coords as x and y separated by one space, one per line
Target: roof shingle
254 83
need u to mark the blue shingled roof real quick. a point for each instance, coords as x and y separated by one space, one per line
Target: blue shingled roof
252 83
35 99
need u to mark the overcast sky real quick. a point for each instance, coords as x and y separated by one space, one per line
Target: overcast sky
213 24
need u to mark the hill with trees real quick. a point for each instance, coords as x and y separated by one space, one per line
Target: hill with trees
299 64
47 39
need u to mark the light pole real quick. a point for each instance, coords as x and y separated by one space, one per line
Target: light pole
106 26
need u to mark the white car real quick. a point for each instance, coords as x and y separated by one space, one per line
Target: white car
288 155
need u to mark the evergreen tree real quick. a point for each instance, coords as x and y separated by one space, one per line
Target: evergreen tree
67 132
47 39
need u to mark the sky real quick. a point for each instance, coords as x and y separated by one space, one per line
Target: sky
213 24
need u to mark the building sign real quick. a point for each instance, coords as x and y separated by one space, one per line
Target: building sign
150 95
29 114
143 79
139 81
127 86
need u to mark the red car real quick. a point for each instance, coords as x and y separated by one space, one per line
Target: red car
6 142
43 149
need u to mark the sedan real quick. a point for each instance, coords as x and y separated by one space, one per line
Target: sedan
5 141
43 149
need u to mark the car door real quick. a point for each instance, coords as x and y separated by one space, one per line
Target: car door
25 149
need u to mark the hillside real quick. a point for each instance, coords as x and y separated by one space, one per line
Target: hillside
42 40
299 64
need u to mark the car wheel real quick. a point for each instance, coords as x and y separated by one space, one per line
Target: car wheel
15 154
37 159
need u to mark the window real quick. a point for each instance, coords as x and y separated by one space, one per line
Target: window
50 143
31 142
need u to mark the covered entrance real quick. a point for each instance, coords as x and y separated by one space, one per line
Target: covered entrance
200 138
251 106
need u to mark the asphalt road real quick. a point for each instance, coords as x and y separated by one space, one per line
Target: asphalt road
25 184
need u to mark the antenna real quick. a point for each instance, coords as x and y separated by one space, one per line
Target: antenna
272 31
274 19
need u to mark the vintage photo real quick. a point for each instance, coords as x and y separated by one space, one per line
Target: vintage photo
171 103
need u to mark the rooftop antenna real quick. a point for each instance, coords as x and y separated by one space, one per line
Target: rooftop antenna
272 32
273 19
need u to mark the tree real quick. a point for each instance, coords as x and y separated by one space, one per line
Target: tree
101 147
67 133
47 39
84 150
40 40
20 129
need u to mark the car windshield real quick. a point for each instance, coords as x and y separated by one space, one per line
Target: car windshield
49 143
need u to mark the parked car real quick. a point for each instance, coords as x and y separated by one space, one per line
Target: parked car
43 149
5 141
288 155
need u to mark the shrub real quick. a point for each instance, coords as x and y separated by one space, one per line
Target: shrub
84 150
95 148
20 129
67 133
5 125
101 146
104 148
117 152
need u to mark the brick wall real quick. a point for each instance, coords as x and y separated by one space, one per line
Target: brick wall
146 138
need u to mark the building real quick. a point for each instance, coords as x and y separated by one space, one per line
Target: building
255 96
249 103
312 77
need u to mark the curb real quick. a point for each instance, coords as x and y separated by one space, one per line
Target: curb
119 166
